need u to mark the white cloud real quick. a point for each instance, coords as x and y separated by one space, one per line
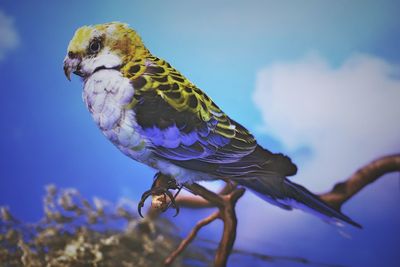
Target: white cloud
347 115
9 36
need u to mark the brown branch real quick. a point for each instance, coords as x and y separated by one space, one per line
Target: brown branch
190 237
227 198
229 218
193 202
197 202
369 173
226 205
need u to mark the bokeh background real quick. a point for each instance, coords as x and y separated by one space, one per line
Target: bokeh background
317 80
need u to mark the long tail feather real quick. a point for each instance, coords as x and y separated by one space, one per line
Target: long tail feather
304 197
288 195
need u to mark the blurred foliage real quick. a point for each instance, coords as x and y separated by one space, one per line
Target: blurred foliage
79 233
76 232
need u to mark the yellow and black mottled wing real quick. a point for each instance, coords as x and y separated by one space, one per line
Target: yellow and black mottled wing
154 74
186 127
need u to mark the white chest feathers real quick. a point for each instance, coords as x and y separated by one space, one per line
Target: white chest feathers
106 94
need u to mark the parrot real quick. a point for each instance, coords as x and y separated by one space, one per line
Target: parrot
153 114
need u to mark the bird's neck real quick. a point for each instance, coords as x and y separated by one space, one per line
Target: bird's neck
139 52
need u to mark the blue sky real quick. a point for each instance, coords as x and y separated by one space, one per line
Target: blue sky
318 80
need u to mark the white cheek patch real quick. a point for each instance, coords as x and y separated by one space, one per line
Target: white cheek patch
105 59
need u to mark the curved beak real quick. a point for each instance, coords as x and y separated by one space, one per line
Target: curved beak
71 65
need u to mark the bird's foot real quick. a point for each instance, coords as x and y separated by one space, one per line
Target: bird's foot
160 190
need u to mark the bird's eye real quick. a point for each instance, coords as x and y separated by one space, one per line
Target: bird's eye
94 46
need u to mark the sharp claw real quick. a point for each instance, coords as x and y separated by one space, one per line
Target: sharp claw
142 200
176 211
171 198
140 210
161 186
173 203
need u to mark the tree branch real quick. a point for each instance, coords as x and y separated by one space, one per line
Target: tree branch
185 242
369 173
229 218
226 203
197 202
227 198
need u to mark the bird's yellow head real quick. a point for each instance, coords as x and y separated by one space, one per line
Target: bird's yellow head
102 46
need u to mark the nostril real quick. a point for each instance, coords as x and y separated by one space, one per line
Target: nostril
72 55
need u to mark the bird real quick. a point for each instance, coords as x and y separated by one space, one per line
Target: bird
153 114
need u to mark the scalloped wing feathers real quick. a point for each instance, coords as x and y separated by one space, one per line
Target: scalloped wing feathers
187 128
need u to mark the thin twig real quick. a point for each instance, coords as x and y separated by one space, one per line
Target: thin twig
185 242
226 205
